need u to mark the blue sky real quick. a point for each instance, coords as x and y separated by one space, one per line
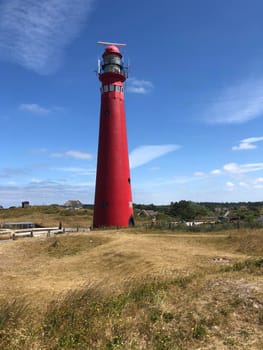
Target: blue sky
194 98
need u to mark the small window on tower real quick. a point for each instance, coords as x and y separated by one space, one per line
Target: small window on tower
111 87
118 88
106 112
105 204
105 88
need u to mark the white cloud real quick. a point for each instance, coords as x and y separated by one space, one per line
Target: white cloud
216 172
77 171
238 104
199 173
253 139
78 155
252 183
139 86
73 154
12 172
231 167
144 154
230 185
47 191
235 168
243 184
247 143
258 182
34 108
243 146
34 33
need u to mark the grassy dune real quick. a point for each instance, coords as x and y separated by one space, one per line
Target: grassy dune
48 216
131 289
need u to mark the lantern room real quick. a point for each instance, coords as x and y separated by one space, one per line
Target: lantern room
112 60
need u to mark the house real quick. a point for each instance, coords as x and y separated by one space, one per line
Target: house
73 204
147 213
25 204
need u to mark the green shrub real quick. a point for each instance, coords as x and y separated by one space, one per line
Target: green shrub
251 265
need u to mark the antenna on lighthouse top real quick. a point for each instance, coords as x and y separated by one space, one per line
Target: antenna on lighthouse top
108 43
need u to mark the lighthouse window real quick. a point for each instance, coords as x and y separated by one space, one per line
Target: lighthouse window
105 88
118 88
112 59
121 89
106 112
111 68
111 87
105 204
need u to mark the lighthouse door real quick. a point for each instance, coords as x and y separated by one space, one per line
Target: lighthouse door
131 221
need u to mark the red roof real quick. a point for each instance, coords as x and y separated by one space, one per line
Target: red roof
112 49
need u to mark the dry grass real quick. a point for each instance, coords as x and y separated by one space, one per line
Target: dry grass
127 289
48 216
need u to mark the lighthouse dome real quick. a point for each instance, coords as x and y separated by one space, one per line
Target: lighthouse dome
111 49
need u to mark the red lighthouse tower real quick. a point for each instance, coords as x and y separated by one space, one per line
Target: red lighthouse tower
113 196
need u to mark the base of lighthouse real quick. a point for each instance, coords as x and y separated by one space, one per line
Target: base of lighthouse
113 197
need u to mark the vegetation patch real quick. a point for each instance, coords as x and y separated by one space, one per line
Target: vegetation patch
247 241
118 290
12 316
62 246
249 265
148 314
70 245
49 216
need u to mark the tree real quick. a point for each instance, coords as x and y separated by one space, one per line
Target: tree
182 210
187 210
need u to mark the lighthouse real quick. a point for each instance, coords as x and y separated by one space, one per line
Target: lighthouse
113 194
